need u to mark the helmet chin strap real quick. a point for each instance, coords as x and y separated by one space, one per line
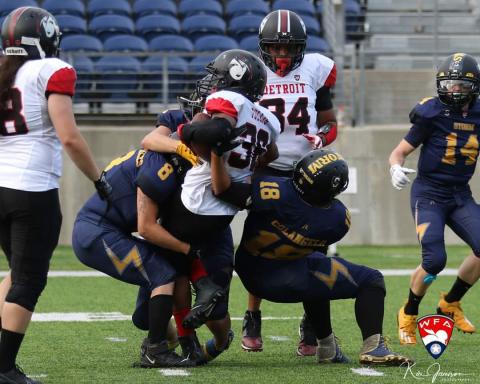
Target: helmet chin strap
283 65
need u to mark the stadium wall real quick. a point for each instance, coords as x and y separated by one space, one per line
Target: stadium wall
380 214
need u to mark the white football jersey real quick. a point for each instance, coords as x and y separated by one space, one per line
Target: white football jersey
262 129
30 151
292 99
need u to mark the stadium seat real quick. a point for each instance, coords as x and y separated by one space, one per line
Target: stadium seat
171 43
201 25
152 76
150 7
249 43
151 26
105 26
317 44
125 43
62 7
312 25
7 6
198 64
84 43
82 63
301 7
194 7
107 7
70 24
215 43
84 67
243 26
117 75
241 7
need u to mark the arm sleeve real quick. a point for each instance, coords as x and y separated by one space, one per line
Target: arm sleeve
237 194
62 81
208 132
324 99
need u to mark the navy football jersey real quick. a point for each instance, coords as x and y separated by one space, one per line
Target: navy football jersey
450 141
171 118
150 171
280 225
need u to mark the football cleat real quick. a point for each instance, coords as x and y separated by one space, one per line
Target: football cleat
210 349
192 349
16 376
328 351
455 311
407 326
375 351
307 346
252 332
208 294
159 356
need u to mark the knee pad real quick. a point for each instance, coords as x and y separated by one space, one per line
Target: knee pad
26 295
434 266
220 310
376 281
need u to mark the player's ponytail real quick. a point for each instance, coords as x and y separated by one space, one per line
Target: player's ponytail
8 70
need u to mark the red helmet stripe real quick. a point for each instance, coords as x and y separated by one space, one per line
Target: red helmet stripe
284 21
13 24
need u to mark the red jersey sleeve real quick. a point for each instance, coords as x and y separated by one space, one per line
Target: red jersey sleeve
62 81
332 77
220 105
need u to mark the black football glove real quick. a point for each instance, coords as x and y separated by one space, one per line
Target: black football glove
194 253
233 140
103 187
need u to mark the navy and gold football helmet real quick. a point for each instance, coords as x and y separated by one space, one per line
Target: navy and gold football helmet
319 176
458 79
30 32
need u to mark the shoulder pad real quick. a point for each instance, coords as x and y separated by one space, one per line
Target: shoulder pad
425 109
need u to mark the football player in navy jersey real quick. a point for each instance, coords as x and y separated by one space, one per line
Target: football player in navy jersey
36 123
289 220
447 128
298 92
219 252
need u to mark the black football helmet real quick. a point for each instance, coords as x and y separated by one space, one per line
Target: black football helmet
319 176
31 32
235 70
458 80
282 27
194 103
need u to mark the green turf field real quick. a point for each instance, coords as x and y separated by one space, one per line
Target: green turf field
79 352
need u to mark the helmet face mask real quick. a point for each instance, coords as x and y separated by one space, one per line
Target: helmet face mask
283 37
31 32
319 176
235 70
458 80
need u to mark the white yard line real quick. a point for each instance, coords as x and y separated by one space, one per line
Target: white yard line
386 272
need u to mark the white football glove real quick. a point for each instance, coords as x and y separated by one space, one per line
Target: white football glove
315 140
399 176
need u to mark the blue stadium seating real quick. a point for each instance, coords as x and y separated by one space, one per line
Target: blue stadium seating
215 43
249 43
70 24
107 7
82 64
125 43
84 67
171 43
317 44
312 25
243 26
242 7
298 6
7 6
62 7
201 25
152 78
151 26
174 64
150 7
197 64
84 43
105 26
117 75
194 7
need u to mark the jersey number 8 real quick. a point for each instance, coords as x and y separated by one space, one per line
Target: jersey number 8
12 121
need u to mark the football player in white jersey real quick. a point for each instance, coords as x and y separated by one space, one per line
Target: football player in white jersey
298 93
36 120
